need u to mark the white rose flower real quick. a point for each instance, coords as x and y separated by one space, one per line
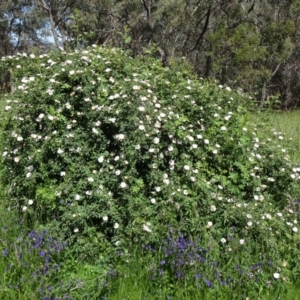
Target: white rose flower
95 131
120 137
77 197
146 228
209 224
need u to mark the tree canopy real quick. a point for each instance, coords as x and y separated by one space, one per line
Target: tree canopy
246 44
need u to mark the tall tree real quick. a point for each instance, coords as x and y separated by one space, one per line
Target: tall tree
244 43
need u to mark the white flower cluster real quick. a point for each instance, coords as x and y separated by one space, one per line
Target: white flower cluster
185 149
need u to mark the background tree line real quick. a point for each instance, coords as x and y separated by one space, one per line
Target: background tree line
247 44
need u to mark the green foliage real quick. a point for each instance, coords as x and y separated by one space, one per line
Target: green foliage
126 37
80 37
240 47
111 151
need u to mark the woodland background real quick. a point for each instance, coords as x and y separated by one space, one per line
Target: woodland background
248 44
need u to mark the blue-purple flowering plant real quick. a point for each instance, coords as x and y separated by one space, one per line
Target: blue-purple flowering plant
30 261
193 267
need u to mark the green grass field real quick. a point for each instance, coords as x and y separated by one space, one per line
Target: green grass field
287 123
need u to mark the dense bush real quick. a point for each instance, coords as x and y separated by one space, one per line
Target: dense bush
113 150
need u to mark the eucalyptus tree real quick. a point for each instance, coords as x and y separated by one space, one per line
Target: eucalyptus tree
58 16
243 43
250 42
26 28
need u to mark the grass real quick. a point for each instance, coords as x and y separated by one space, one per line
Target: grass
136 284
285 122
129 290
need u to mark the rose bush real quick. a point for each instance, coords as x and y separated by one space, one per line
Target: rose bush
113 151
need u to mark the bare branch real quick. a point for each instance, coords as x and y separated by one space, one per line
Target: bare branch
207 15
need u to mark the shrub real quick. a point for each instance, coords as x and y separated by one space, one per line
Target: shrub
112 151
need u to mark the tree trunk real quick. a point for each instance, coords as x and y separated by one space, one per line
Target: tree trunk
52 24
